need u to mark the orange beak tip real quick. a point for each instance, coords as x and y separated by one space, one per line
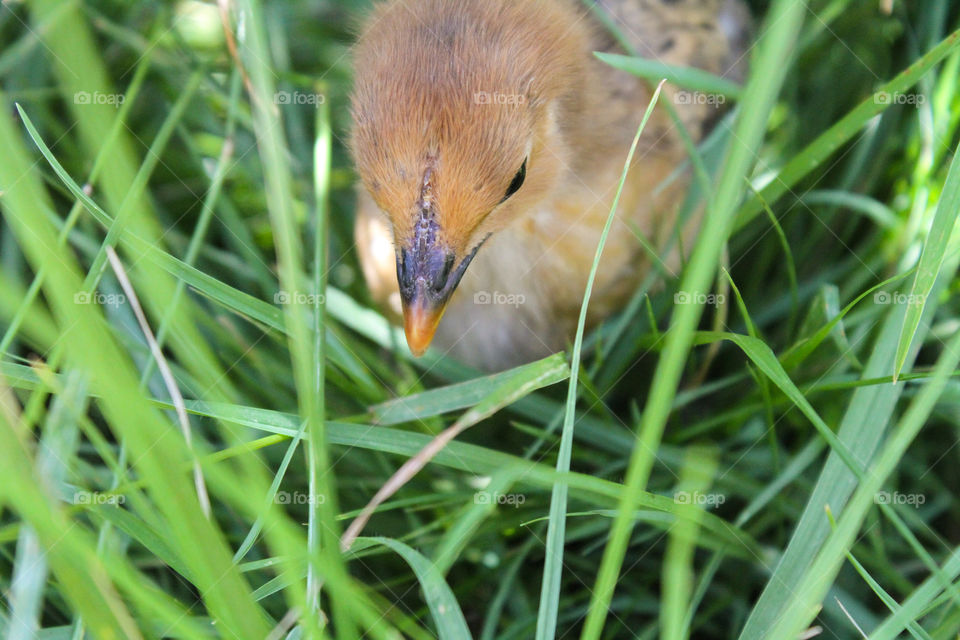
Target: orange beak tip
417 351
420 325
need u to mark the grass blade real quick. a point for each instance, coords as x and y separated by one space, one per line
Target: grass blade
442 400
444 609
810 590
699 467
553 565
304 349
833 138
934 251
770 64
525 379
687 77
861 429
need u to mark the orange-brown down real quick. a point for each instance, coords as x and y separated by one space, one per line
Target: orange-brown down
490 142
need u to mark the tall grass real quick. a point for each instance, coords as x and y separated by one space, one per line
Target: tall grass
779 465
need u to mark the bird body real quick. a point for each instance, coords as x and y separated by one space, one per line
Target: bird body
490 143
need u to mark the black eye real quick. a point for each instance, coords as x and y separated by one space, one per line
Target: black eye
517 181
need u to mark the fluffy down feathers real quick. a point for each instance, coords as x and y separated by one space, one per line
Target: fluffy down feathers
452 98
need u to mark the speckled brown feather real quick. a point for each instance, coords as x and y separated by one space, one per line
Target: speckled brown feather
423 130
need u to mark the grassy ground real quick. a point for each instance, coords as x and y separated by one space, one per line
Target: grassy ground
745 469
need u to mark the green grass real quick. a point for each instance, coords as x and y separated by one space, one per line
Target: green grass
782 461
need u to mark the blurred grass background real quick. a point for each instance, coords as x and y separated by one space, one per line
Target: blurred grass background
213 186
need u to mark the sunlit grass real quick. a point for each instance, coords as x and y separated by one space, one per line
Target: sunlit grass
743 470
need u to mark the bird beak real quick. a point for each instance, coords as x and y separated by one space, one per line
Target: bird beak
420 324
428 274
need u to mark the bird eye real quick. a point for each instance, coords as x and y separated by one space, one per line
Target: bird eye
517 181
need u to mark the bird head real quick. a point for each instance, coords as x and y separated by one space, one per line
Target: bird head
458 112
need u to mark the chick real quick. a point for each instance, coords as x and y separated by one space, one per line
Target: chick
490 141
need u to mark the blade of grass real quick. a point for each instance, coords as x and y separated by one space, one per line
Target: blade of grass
458 535
810 590
889 601
556 529
217 179
78 65
770 66
688 77
441 400
269 127
799 352
860 430
858 203
268 312
318 461
281 472
92 349
700 465
505 590
524 380
230 297
833 138
934 251
764 358
444 608
918 601
122 117
58 444
144 533
127 209
457 455
791 266
72 563
168 380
